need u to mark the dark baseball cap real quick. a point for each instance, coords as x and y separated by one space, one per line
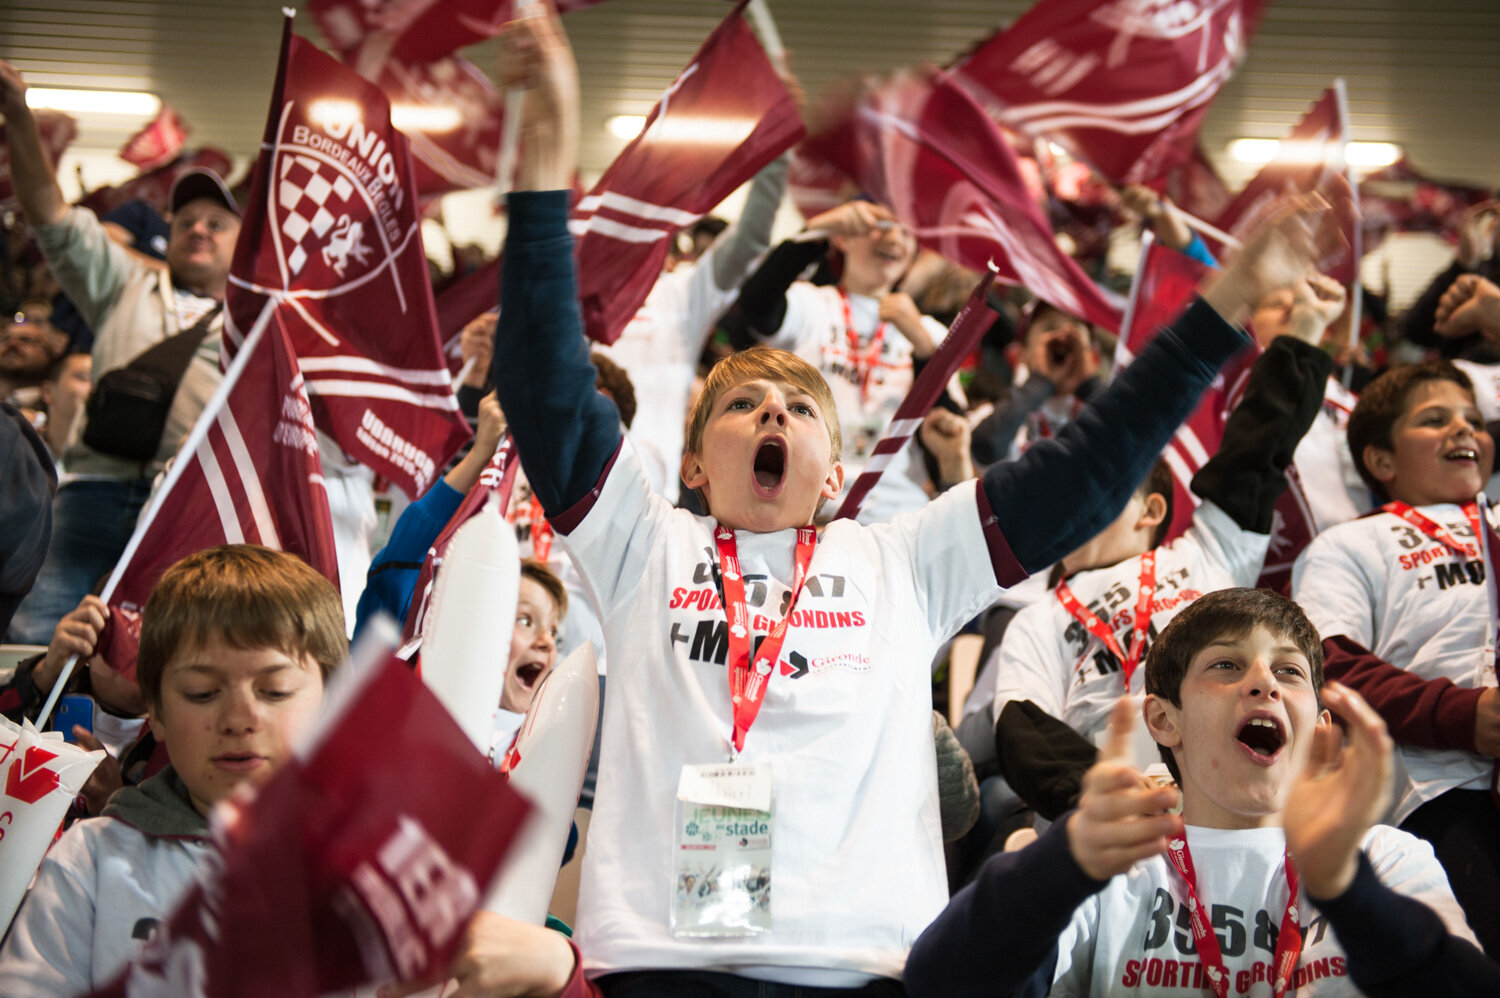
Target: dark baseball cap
200 183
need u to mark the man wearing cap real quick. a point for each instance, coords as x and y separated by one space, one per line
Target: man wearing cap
132 307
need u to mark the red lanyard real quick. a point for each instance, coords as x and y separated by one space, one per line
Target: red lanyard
1437 531
747 686
1288 940
541 531
1103 632
864 366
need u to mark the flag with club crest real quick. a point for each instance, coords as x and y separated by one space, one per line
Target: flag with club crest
248 473
725 116
922 147
331 243
360 861
158 143
1122 85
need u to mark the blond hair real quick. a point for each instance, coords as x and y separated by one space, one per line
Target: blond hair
770 365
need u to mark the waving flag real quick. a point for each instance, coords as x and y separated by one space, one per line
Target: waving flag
415 31
457 150
158 143
1122 84
725 116
925 149
248 473
361 861
1308 159
1400 198
58 131
155 186
331 243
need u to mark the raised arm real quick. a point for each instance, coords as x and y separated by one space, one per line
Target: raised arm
566 432
1067 488
31 172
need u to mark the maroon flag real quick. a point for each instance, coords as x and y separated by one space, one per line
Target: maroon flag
463 301
1196 187
362 860
1123 85
58 131
1165 283
457 149
415 31
1307 160
1400 198
331 243
158 143
725 116
962 339
248 473
496 480
816 185
926 150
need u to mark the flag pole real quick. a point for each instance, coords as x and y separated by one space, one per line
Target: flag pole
770 38
174 473
510 127
1213 232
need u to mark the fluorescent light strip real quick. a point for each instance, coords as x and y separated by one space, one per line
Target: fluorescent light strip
1365 155
123 102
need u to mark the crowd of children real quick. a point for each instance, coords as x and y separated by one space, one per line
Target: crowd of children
1208 775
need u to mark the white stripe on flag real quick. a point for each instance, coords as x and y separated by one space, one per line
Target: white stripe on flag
331 388
903 427
229 518
254 495
1188 440
877 464
1180 470
627 205
618 230
351 364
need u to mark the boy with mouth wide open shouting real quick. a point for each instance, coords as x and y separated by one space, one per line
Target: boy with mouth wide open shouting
767 738
1272 881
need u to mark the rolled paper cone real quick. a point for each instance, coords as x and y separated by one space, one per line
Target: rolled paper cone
39 777
553 749
466 638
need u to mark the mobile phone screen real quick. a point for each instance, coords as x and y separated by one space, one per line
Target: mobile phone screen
71 710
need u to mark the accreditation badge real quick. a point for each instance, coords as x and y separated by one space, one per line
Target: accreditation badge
723 845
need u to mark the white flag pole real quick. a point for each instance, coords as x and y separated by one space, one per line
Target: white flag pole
510 128
174 473
770 38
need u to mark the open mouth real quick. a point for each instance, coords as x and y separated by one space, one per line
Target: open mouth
1462 454
529 674
1263 736
770 466
1058 350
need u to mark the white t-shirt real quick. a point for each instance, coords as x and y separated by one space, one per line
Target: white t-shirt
1416 604
1052 660
857 859
1133 938
659 349
814 330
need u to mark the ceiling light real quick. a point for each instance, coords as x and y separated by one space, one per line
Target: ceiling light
125 102
1365 155
626 126
425 117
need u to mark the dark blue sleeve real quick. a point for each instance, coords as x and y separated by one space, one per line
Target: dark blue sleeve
394 570
565 431
998 936
1397 946
1067 488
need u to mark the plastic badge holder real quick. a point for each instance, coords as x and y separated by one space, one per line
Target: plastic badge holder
722 883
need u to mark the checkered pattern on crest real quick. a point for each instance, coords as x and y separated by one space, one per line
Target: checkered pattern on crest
303 192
